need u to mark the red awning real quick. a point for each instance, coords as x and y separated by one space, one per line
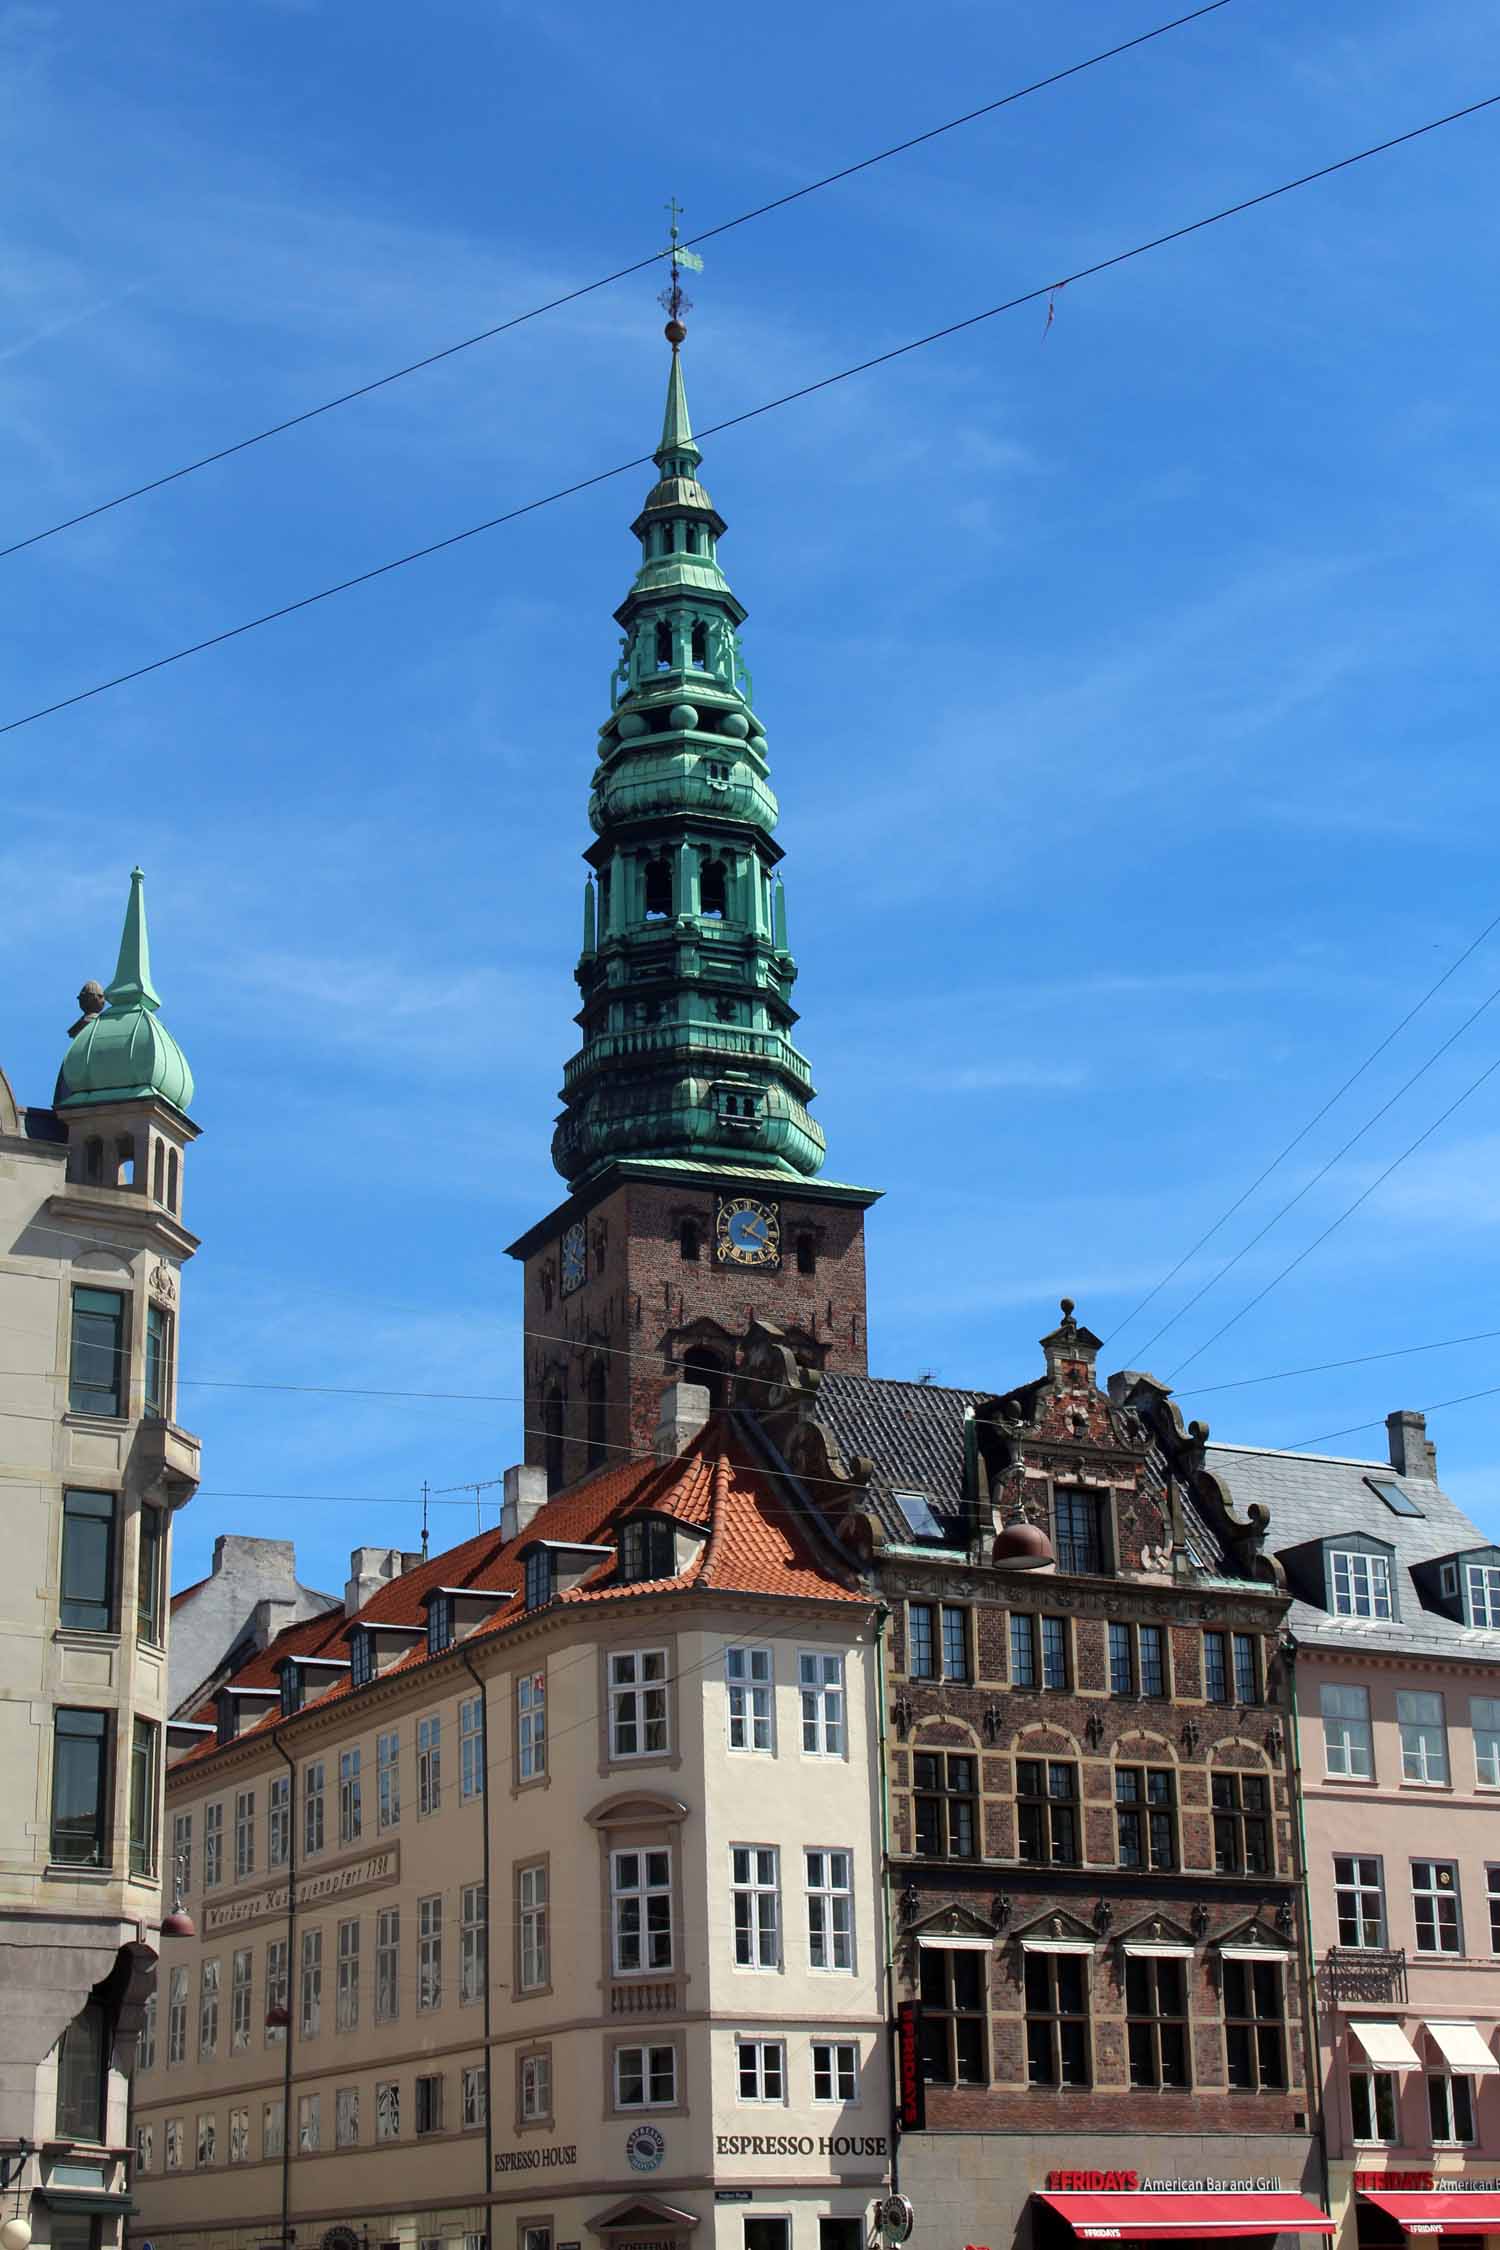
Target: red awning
1190 2218
1463 2212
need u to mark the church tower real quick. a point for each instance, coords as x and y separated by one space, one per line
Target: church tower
696 1201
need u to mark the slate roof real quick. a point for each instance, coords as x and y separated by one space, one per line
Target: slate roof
759 1541
1313 1496
914 1434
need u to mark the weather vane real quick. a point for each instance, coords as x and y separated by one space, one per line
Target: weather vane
675 300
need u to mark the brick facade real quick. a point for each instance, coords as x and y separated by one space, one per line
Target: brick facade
644 1306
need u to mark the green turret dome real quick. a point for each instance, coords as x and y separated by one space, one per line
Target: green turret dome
125 1052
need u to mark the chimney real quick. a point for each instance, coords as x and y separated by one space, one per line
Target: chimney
683 1411
525 1498
1412 1451
370 1568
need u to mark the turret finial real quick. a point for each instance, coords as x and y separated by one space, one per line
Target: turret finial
674 299
131 985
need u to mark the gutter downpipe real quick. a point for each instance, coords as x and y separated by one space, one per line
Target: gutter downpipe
291 1950
1309 1964
882 1619
489 1919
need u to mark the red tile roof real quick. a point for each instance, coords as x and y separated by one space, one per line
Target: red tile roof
759 1541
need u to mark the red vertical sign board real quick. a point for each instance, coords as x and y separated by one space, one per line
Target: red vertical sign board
913 2089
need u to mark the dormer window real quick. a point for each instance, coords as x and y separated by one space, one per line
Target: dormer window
1361 1584
361 1658
291 1689
1483 1604
540 1577
439 1624
648 1549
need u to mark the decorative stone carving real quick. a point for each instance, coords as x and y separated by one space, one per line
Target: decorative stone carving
164 1283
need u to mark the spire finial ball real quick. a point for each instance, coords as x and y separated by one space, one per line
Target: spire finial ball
675 333
1067 1306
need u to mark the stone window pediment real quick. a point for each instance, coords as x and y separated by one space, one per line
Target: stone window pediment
638 1808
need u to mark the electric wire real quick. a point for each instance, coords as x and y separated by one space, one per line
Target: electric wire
1299 1137
734 421
1310 1183
605 281
1333 1226
1352 1428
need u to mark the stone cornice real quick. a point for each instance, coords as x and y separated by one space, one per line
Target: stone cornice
118 1213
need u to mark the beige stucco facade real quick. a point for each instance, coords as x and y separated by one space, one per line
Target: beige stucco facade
91 1470
616 2109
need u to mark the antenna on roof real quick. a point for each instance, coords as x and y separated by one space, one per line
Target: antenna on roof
424 1519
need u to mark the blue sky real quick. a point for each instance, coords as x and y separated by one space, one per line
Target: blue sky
1129 694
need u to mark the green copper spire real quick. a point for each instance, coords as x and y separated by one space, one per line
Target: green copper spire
124 1052
685 975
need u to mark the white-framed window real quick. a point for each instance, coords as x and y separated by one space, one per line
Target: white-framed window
272 2128
1484 1595
346 2117
428 2117
531 1910
475 2095
312 1808
755 1885
531 1725
1492 1896
761 2069
471 1748
208 2009
388 1779
1424 1737
640 1885
346 1991
1348 1739
173 2140
351 1811
388 1964
1361 1584
535 2088
646 2077
213 1846
536 2238
471 1942
638 1703
835 2070
244 1838
182 1850
430 1952
830 1909
388 2109
241 1986
310 2005
1484 1717
1435 1904
429 1764
1450 2107
750 1684
145 2141
309 2122
148 2032
820 1679
1373 2105
177 2015
278 1989
1359 1899
279 1827
208 2137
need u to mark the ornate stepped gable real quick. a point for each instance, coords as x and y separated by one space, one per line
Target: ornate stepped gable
685 971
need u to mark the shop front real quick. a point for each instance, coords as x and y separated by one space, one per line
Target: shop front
1018 2191
1391 2207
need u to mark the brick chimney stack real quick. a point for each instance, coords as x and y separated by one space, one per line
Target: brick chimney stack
1412 1451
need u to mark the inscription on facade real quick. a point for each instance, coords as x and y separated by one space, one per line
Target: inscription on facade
332 1882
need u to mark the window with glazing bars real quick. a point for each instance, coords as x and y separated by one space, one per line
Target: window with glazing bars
755 1886
241 1985
1373 2105
1359 1899
279 1834
830 1910
278 1990
430 1952
429 1764
1216 1667
954 2003
1057 2019
1242 1827
1254 2031
471 1942
947 1804
244 1833
388 1964
471 1748
1145 1816
213 1846
1076 1517
1047 1811
1156 2028
388 1779
312 1808
346 1993
1361 1584
1434 1891
350 1806
310 2007
748 1682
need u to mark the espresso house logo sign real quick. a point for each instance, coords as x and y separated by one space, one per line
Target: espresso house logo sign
332 1882
799 2144
537 2159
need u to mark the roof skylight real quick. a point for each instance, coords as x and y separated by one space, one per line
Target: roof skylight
917 1515
1395 1499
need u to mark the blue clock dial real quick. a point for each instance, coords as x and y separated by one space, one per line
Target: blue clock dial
747 1232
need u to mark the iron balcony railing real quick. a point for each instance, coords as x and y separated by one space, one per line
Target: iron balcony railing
1362 1974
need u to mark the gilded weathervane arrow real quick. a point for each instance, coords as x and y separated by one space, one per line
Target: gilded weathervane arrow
675 300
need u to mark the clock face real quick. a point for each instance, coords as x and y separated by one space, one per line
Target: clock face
575 1258
747 1233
